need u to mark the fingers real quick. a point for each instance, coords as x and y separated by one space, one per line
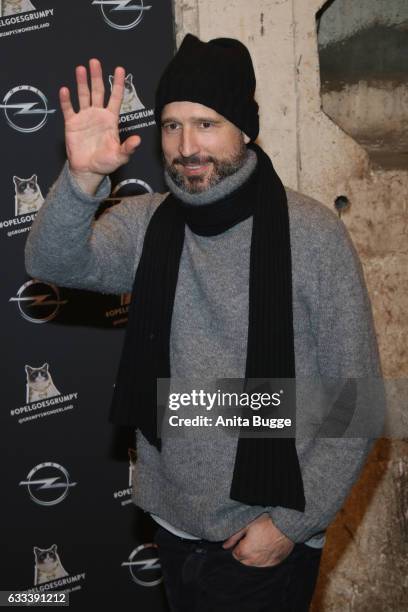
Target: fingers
116 97
96 95
65 102
236 552
130 144
232 540
97 86
84 96
127 148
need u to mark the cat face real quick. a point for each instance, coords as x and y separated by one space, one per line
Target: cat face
37 376
26 187
130 100
46 558
128 83
16 6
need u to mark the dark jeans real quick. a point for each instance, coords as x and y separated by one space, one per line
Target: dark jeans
201 576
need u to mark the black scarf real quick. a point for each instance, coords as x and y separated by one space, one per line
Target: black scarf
266 471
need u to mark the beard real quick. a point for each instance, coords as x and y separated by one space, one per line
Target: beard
221 168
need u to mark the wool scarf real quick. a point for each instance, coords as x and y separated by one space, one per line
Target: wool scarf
266 470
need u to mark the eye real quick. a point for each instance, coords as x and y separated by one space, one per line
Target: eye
206 124
170 127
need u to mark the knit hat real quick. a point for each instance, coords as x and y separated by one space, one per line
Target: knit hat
218 74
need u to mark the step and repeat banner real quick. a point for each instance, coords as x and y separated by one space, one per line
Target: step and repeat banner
67 518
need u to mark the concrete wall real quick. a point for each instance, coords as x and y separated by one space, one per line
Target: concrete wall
366 557
345 18
363 48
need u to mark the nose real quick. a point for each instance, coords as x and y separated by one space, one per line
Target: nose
188 144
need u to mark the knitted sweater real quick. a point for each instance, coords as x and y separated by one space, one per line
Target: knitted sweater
187 484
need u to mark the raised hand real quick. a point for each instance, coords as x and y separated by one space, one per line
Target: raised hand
92 135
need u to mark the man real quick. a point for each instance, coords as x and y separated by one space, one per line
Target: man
233 276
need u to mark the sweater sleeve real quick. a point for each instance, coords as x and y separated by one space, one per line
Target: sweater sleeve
347 349
68 247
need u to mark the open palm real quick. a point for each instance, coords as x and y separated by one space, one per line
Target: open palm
92 135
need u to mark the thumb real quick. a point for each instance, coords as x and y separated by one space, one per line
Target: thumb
232 540
130 144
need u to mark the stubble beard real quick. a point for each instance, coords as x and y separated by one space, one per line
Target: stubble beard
221 168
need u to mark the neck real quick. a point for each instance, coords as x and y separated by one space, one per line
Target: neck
219 191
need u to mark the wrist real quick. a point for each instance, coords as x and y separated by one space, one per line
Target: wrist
88 182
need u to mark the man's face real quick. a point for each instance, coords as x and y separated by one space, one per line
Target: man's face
200 147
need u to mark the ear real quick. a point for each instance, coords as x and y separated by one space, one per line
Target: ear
16 180
34 178
246 138
28 369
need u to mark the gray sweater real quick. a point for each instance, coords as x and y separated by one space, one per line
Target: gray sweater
188 483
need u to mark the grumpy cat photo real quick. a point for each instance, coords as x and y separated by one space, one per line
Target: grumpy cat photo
130 102
13 7
39 384
47 565
28 197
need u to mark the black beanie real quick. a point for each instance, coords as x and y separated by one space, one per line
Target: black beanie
218 74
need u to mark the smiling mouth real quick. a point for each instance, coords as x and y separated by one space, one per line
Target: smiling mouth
194 168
